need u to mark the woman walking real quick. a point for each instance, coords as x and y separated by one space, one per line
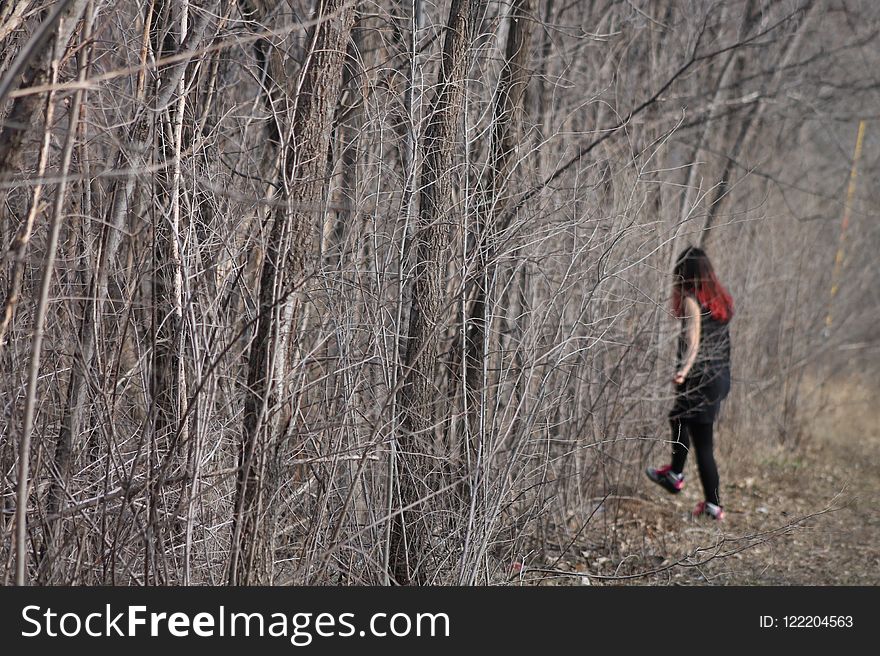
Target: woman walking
702 377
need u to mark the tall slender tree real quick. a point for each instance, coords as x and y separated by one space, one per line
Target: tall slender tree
304 156
431 240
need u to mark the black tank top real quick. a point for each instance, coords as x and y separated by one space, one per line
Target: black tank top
714 352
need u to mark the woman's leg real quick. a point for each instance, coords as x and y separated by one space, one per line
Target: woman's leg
680 444
701 435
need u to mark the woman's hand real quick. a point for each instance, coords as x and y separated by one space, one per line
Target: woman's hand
679 377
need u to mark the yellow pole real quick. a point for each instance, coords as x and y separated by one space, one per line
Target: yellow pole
850 193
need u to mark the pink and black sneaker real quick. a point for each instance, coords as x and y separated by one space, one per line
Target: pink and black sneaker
666 478
709 510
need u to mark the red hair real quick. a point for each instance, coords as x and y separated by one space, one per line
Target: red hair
696 276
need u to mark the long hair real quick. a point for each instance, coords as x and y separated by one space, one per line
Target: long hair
695 275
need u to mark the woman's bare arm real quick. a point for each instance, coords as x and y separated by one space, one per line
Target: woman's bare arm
692 334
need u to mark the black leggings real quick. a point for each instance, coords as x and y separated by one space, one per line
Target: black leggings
685 431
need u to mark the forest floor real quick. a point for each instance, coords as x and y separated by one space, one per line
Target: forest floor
804 515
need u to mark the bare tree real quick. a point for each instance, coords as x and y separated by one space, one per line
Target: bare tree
303 157
418 395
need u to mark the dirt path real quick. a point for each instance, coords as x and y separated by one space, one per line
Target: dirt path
809 516
839 469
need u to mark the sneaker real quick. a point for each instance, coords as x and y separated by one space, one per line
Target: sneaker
666 478
709 510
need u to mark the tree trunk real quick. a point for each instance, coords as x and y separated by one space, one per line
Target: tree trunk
283 270
493 202
418 396
167 382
